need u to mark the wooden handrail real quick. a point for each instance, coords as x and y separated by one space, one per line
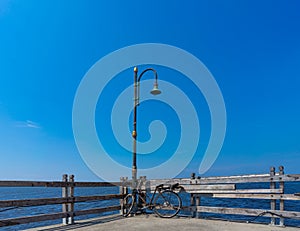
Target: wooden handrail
215 187
67 200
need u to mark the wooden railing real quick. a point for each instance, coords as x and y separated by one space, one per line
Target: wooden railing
226 187
67 200
196 187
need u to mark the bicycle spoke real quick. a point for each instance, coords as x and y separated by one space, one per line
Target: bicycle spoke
167 204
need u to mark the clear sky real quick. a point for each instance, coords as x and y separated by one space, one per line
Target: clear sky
252 48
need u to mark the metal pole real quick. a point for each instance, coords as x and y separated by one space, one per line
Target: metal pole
136 103
134 133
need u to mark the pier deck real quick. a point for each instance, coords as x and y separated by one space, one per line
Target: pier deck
150 222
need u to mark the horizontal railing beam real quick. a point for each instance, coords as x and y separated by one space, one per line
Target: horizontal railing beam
244 211
51 201
33 184
30 219
253 178
252 196
237 191
96 184
57 184
184 181
54 216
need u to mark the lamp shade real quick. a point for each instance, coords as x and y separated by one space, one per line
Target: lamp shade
155 90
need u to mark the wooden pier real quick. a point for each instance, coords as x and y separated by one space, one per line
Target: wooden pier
196 187
152 223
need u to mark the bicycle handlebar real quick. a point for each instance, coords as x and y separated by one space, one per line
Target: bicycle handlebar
169 186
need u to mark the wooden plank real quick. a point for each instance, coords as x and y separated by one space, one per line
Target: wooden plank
251 178
122 190
193 204
65 195
56 184
245 211
51 201
254 196
263 191
97 184
272 202
203 180
210 187
229 179
32 202
37 218
281 202
54 216
32 184
71 195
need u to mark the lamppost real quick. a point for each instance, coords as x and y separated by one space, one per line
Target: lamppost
154 91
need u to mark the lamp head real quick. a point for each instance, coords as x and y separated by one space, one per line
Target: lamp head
155 90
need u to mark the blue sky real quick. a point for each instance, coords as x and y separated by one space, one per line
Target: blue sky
251 47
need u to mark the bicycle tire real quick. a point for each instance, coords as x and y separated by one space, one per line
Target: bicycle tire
167 204
128 203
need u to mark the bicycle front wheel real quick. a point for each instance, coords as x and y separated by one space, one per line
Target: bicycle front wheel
128 203
167 204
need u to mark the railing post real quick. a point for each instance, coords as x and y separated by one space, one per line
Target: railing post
123 191
193 198
65 195
192 205
71 197
198 204
272 186
281 186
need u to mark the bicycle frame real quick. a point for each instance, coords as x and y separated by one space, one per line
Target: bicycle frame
137 195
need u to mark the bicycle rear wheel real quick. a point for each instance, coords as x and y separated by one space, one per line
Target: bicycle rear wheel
167 204
128 203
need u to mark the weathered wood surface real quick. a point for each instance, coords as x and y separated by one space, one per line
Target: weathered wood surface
252 178
29 219
60 200
237 191
64 196
98 184
281 202
272 186
33 184
253 196
58 184
244 211
54 216
212 187
183 181
71 205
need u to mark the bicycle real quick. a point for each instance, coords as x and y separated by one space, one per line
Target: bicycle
164 201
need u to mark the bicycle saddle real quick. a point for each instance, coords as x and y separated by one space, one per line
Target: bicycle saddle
174 186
